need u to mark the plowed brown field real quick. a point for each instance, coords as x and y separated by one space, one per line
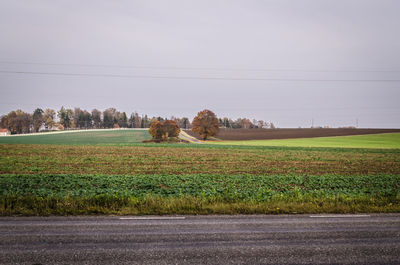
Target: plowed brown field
265 134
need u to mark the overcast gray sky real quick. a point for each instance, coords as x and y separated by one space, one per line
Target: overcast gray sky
320 51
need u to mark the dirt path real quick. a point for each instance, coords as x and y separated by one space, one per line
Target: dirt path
184 136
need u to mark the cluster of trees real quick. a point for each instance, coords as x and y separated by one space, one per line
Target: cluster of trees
41 120
244 123
164 130
109 118
21 122
205 124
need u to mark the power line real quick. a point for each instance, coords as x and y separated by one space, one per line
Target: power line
198 77
293 109
199 68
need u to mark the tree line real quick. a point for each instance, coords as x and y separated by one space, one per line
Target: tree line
18 121
244 123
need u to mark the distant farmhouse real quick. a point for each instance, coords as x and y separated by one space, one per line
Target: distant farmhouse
4 132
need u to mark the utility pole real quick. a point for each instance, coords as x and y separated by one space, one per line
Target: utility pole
312 123
356 122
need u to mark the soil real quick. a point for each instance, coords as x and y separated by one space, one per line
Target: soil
265 134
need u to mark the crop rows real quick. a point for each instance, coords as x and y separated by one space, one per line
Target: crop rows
196 194
201 179
142 160
226 187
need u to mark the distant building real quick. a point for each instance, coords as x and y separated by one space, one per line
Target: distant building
4 132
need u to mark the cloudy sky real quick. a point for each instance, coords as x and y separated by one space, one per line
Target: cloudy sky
282 61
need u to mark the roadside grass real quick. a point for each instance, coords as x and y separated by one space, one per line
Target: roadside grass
196 194
385 140
154 205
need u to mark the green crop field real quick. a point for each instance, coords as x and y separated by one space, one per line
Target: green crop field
135 137
197 194
91 137
111 172
386 140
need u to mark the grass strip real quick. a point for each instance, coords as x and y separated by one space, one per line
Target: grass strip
157 205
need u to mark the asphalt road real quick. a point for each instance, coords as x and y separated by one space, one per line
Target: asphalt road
255 239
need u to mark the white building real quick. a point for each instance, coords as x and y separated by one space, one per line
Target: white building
4 132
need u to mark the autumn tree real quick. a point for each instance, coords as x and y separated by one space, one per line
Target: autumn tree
156 130
108 119
8 120
4 121
49 116
245 123
205 124
164 130
96 118
145 122
37 119
76 117
122 120
85 119
170 129
12 123
82 118
17 122
25 121
134 120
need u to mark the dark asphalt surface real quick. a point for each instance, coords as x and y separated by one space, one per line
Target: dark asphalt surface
254 239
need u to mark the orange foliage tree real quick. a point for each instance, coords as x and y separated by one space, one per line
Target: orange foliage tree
205 124
170 129
163 130
156 130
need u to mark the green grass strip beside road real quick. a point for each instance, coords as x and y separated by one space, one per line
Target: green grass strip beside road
386 140
196 194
